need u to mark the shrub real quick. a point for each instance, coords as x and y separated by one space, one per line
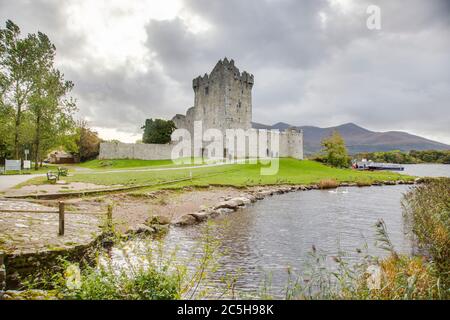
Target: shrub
328 184
363 183
143 271
145 284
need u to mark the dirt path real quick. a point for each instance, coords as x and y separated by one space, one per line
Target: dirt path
130 211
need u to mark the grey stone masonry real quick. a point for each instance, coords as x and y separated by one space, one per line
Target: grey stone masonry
223 99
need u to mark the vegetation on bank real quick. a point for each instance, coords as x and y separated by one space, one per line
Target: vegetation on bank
146 270
430 156
291 171
427 211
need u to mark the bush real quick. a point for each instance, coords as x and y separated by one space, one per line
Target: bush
143 271
328 184
146 284
363 183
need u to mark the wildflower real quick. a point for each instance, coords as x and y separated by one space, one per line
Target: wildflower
374 279
73 277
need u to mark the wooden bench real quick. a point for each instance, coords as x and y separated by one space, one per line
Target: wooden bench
52 176
62 172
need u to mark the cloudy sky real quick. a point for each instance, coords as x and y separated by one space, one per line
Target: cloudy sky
315 62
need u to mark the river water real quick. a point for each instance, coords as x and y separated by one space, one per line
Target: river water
279 231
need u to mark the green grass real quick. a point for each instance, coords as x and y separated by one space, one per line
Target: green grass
127 164
41 170
291 171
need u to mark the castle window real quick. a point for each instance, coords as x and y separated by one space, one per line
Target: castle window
239 105
206 90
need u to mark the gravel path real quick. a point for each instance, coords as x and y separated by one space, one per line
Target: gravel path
7 182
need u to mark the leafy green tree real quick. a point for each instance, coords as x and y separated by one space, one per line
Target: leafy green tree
334 151
35 110
50 108
158 131
6 129
16 80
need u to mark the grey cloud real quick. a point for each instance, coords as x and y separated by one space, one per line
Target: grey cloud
395 78
47 16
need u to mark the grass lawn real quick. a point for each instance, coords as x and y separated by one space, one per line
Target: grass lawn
43 169
126 164
291 171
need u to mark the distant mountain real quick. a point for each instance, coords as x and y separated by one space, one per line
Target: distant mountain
359 139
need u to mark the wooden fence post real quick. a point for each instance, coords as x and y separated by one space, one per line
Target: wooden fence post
109 215
61 218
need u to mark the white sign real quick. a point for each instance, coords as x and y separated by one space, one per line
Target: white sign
12 165
27 164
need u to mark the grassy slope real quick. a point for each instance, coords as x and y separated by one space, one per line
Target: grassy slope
129 164
291 172
122 164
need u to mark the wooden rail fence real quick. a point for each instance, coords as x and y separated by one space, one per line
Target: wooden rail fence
61 215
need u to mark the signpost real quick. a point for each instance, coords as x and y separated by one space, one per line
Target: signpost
12 165
26 164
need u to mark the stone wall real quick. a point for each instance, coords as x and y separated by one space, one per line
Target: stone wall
141 151
290 145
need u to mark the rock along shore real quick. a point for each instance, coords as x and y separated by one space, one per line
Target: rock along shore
232 204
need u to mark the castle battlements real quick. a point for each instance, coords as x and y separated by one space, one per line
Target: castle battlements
222 69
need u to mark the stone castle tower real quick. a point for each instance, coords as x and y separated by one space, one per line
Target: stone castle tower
223 99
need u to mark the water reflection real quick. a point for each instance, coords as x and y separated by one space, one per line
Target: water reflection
278 232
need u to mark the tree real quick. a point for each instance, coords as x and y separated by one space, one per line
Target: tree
6 130
85 142
35 110
16 65
158 131
335 152
50 109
